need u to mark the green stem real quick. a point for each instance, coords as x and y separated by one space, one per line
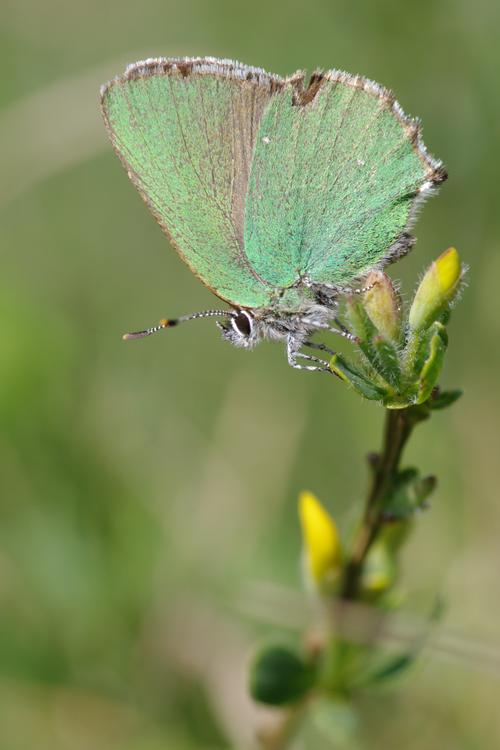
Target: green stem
399 424
398 427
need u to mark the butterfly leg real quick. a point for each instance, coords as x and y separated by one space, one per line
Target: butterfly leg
348 290
329 294
293 354
343 331
321 347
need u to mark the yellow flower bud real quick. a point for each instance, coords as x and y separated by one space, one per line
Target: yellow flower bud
383 305
436 290
321 540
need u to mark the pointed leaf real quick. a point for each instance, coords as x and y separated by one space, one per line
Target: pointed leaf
443 399
388 360
394 667
409 493
348 373
434 362
336 720
381 354
360 322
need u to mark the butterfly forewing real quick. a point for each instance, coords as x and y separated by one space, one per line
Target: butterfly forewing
185 131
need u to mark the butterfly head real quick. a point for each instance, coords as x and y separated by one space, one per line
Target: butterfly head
241 329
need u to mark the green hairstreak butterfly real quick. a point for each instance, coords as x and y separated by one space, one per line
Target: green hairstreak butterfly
279 194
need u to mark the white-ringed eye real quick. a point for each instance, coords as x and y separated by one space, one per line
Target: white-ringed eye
242 323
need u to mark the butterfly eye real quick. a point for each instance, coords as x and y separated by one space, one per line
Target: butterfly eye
242 323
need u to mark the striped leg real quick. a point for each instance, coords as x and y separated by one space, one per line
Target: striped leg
293 354
321 347
343 331
346 290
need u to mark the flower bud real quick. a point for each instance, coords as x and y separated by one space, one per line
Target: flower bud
380 572
436 290
383 305
321 540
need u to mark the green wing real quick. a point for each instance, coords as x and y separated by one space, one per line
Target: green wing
336 174
185 131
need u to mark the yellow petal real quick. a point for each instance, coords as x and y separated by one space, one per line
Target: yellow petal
436 290
321 538
449 270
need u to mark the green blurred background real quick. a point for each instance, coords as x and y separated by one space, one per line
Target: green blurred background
148 530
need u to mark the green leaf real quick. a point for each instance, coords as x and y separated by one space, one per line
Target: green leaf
279 676
360 322
405 476
443 399
393 668
381 354
336 720
423 359
387 360
349 374
420 490
433 363
408 494
417 349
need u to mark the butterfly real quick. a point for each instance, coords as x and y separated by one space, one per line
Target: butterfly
279 194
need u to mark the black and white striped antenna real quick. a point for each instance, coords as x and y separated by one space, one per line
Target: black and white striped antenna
171 322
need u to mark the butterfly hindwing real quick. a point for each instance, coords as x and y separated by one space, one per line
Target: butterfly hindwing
185 131
336 173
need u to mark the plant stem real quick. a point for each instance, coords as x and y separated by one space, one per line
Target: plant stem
399 424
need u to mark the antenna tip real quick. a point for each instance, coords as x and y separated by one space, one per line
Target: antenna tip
164 323
136 335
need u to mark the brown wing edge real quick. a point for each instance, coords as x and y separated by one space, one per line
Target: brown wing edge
186 66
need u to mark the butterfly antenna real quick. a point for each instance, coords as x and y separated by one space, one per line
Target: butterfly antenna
171 322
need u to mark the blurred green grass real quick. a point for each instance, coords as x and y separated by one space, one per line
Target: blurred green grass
148 492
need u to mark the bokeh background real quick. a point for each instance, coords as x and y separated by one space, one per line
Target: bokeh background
148 530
